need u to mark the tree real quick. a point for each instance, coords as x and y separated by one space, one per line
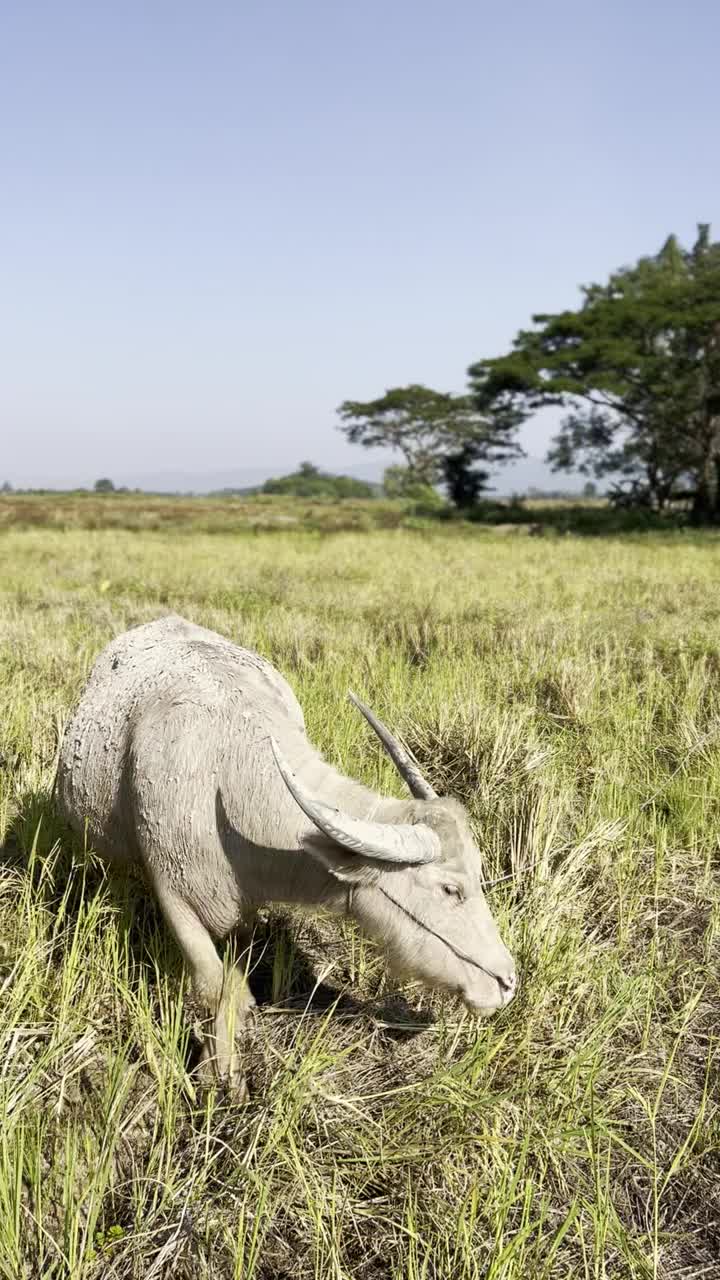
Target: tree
463 482
402 482
310 482
637 366
104 486
429 428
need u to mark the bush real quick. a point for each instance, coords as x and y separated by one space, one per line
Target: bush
309 482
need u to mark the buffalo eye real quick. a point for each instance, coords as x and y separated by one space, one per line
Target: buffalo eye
454 891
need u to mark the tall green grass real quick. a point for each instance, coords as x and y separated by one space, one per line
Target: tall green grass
569 693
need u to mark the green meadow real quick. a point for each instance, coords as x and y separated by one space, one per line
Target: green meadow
567 689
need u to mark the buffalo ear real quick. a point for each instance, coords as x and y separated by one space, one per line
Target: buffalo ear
350 868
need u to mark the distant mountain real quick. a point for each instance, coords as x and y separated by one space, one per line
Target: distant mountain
236 479
533 473
518 478
527 474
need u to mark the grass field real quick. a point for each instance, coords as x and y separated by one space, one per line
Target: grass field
568 690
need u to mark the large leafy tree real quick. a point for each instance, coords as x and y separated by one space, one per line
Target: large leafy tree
441 437
637 367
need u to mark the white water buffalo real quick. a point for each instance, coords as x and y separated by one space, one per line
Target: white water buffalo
188 755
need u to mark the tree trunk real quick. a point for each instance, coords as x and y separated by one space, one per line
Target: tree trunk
706 504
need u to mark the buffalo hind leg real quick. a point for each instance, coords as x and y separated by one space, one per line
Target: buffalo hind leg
222 990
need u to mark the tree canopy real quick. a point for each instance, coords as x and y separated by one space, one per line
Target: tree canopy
441 437
637 366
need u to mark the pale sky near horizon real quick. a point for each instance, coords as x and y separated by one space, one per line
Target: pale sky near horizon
221 220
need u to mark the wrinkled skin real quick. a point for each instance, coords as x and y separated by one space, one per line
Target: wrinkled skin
168 762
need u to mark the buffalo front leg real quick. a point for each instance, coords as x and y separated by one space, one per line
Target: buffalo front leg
222 990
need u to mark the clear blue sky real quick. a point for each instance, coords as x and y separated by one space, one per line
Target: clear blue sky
220 220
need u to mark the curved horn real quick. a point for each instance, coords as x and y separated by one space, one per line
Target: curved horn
403 762
383 840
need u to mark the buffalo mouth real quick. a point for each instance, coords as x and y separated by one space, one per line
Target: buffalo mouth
505 993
